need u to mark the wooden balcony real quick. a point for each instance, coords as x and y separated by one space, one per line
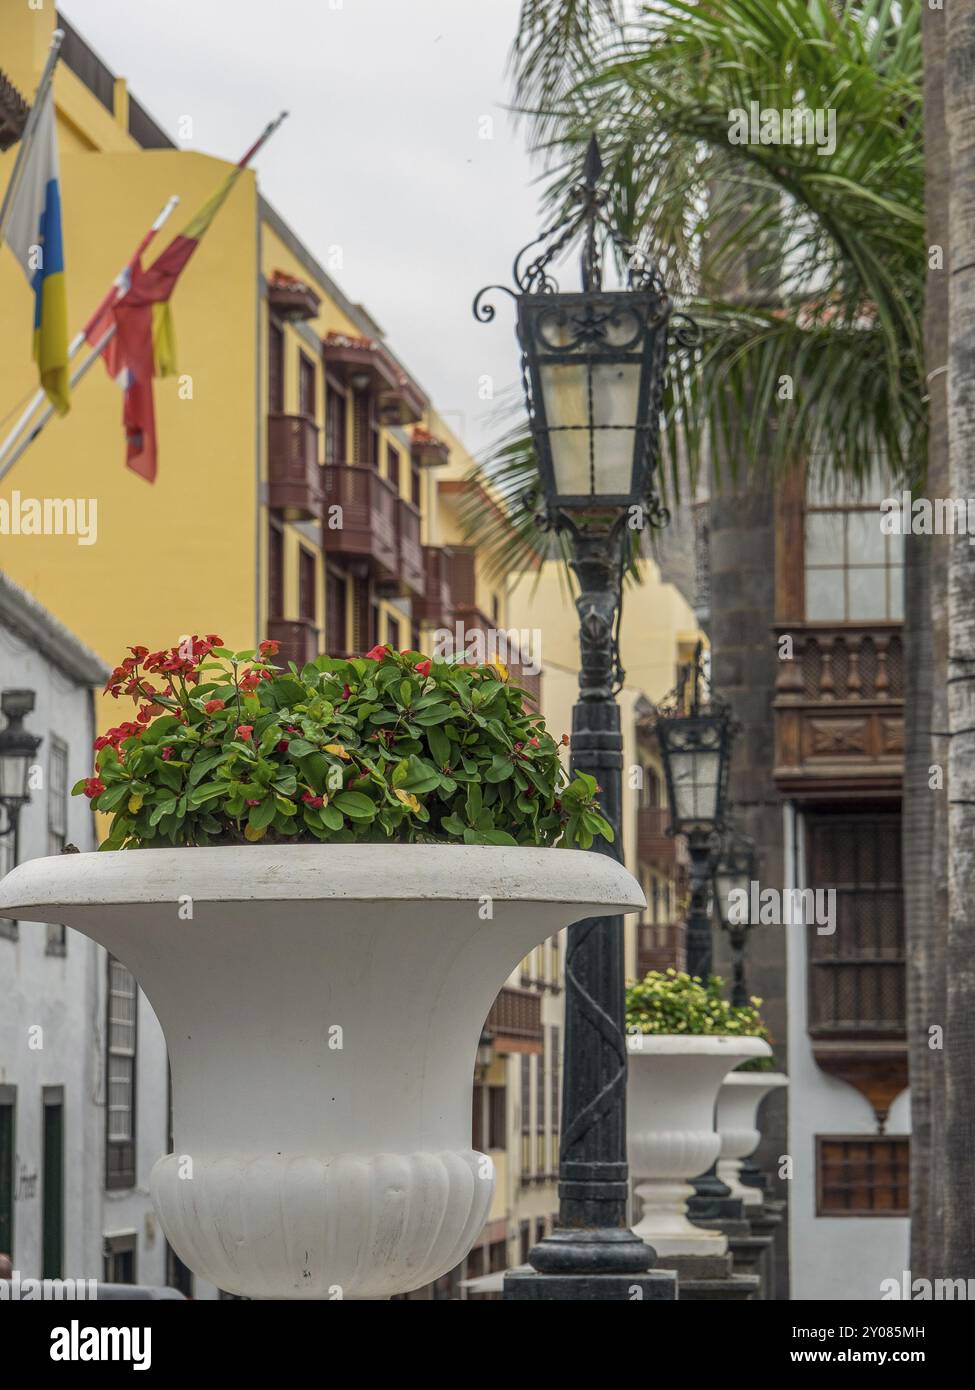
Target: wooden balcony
434 607
369 529
660 946
298 638
839 710
515 1021
399 401
653 844
294 474
412 570
532 683
291 298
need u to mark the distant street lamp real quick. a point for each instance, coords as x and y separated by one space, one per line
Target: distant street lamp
593 368
735 872
17 750
695 732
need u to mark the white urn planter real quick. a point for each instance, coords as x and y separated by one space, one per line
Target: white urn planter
674 1079
738 1100
322 1008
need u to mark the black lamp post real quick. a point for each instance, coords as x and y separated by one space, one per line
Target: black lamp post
695 732
735 872
593 368
17 750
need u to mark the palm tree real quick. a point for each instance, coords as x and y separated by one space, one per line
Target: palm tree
959 1058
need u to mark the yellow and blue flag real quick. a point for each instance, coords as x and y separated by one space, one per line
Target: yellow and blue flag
34 234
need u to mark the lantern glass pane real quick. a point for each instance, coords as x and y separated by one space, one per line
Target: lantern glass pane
695 777
592 453
13 776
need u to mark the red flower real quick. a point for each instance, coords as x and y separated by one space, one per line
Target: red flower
314 801
244 731
283 746
533 742
250 680
423 668
253 803
346 693
94 787
565 740
212 706
267 675
269 647
166 753
376 654
214 640
102 741
139 652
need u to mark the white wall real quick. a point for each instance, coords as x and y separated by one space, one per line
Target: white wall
842 1257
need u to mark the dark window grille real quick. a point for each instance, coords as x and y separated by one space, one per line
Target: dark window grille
275 369
497 1122
862 1175
306 387
335 426
857 974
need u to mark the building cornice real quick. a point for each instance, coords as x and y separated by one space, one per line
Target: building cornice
21 614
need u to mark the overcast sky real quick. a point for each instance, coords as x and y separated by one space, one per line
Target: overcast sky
383 155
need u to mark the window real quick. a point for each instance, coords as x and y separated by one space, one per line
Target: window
335 425
541 1070
120 1119
275 571
306 387
477 1118
854 573
365 436
555 1096
392 632
857 972
275 369
650 789
120 1259
526 1115
336 626
416 491
307 607
52 1190
57 826
392 465
497 1122
8 1110
862 1175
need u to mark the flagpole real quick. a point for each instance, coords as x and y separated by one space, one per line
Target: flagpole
28 133
48 413
74 346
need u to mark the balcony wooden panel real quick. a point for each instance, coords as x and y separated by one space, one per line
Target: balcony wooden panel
515 1021
291 298
839 710
653 844
411 567
660 946
462 579
369 529
294 474
298 638
530 682
435 606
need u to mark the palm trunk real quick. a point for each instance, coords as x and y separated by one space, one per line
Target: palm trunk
923 593
959 1056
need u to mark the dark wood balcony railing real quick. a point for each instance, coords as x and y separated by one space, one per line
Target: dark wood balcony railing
839 709
368 518
294 474
435 605
298 638
532 683
653 844
515 1021
411 566
660 946
462 579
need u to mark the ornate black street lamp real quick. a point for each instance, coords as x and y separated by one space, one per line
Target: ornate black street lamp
735 872
695 733
593 369
17 750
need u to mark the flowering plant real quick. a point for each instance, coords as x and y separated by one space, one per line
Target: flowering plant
226 748
675 1002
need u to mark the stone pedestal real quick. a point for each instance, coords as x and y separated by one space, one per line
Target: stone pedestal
657 1286
710 1278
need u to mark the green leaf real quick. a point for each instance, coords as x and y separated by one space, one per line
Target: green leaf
262 814
332 817
356 805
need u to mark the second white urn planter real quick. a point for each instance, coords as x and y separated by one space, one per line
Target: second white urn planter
674 1079
322 1006
738 1100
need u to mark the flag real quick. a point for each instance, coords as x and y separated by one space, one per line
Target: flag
144 344
34 234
